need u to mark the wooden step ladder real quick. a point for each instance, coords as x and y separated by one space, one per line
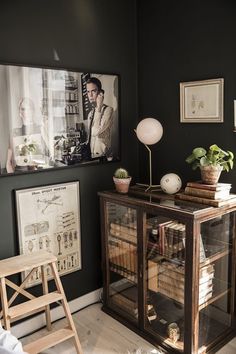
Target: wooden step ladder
31 263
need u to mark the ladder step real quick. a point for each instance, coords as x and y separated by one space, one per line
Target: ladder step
48 341
14 265
32 305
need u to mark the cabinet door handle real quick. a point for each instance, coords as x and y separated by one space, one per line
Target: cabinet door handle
141 271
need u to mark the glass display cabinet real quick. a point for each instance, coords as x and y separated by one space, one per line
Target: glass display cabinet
169 269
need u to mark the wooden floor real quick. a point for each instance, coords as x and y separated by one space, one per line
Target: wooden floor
101 334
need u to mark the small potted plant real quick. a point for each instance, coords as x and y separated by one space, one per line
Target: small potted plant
122 180
211 162
24 153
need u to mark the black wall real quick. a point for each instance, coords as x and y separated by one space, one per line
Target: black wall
185 41
88 35
177 41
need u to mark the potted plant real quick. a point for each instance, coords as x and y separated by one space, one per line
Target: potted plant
122 180
211 162
24 153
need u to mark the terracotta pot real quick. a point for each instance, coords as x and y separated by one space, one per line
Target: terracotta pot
122 184
210 174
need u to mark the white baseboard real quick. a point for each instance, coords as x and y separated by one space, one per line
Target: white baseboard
33 324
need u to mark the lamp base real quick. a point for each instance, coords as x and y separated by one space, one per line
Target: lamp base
150 187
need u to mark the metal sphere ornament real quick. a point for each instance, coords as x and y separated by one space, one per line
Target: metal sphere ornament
170 183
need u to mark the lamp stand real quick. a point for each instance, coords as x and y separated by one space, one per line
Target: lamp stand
149 186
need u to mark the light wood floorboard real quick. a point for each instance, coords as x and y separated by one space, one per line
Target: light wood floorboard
101 334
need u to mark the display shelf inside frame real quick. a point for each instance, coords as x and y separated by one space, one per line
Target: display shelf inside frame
48 218
54 118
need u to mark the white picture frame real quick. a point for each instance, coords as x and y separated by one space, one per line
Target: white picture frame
48 218
202 101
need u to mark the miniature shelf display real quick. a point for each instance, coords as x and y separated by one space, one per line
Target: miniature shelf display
60 92
169 269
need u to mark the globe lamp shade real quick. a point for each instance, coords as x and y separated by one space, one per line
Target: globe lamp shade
149 131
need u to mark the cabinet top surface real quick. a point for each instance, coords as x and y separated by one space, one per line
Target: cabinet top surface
161 200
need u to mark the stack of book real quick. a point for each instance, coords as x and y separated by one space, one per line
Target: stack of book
169 242
171 281
172 238
122 245
127 300
216 195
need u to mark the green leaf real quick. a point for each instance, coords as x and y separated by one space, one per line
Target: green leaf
225 166
204 161
195 165
199 152
215 148
190 158
231 164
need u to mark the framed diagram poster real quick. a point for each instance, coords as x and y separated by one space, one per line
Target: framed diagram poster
49 219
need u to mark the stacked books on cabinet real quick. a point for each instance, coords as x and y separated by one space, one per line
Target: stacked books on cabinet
215 195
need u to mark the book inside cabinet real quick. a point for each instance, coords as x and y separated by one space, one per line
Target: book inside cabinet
122 258
169 270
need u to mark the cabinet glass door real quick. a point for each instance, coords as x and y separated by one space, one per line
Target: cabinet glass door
165 279
216 278
122 258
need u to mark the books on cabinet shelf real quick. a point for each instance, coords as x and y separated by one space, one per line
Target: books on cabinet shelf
170 242
125 297
122 247
170 281
123 258
165 260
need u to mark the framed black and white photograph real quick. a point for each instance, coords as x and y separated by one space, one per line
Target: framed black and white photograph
202 101
48 218
56 117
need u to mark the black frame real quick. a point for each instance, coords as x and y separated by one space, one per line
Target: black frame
58 100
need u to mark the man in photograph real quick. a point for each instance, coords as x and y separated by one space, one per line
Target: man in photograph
100 119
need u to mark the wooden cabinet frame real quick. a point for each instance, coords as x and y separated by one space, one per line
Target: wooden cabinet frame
144 204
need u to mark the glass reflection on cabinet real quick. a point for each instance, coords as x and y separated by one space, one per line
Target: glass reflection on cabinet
122 250
165 274
215 315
